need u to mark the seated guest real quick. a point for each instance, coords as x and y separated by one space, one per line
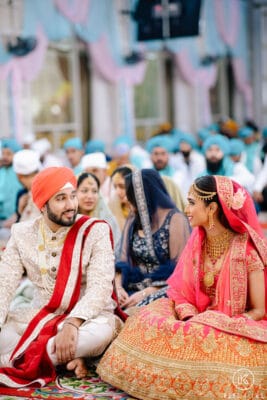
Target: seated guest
160 149
74 151
120 152
154 236
26 164
91 203
236 150
10 186
209 337
9 183
96 163
251 155
96 146
118 202
47 156
216 149
69 259
188 162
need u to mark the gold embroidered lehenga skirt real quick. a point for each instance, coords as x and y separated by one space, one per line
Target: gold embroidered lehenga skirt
158 357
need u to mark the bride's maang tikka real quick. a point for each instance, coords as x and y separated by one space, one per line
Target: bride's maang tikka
201 194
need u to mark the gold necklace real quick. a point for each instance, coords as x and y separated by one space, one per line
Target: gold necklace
215 247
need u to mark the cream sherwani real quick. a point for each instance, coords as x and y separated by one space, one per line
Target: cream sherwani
95 305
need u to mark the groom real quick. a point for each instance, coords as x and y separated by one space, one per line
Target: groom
69 260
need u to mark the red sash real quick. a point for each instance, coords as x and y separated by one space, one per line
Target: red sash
31 364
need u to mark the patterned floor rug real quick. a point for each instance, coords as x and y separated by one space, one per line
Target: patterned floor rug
66 388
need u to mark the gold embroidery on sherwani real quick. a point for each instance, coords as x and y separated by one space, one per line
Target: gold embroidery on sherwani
21 252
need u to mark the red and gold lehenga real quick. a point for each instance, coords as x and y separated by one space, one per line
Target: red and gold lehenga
217 353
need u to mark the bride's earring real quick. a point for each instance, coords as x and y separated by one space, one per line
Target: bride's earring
211 221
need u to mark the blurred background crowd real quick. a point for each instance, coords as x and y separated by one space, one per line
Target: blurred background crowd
174 85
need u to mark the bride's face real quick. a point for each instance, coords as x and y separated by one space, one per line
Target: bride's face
197 211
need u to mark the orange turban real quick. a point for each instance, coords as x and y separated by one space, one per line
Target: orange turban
49 181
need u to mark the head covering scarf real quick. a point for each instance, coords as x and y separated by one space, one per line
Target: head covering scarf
26 161
94 160
11 144
237 147
164 141
151 196
239 210
229 126
73 143
189 139
49 181
219 140
42 146
203 134
213 128
94 145
245 132
121 145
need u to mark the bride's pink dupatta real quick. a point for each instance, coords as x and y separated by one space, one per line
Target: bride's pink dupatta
231 291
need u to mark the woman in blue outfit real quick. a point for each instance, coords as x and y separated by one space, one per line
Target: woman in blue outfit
154 236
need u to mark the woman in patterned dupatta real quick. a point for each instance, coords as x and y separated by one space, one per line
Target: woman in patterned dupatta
208 340
153 238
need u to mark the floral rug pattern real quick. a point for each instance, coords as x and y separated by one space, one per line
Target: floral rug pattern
66 388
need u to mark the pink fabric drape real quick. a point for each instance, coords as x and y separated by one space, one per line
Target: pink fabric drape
243 85
204 78
107 68
75 10
227 25
24 69
127 76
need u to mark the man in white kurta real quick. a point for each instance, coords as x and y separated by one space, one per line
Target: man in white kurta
35 247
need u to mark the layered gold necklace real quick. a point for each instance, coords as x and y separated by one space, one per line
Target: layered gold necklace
215 248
